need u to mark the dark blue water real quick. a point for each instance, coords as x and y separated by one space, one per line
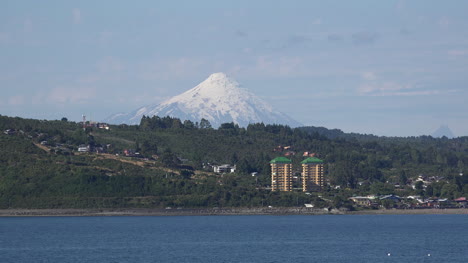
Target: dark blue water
365 238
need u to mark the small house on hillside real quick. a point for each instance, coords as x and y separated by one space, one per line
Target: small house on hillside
83 148
225 168
103 126
461 201
394 198
361 200
131 153
9 132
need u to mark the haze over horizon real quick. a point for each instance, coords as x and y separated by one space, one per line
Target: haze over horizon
393 68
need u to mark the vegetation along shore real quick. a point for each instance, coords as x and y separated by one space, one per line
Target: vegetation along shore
221 212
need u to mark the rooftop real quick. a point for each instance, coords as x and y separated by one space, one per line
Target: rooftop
312 160
280 160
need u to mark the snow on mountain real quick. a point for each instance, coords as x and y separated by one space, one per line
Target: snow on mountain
219 99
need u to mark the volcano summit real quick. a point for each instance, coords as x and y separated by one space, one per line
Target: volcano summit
218 99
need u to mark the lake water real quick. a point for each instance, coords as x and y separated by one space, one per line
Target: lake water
348 238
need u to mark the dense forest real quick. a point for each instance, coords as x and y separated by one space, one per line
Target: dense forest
165 161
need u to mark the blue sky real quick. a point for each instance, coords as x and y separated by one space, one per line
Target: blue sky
394 68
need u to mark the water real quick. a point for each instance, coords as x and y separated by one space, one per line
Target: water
353 238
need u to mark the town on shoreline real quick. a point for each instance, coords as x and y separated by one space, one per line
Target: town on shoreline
165 162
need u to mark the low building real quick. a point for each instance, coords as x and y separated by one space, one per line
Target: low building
308 154
225 168
103 126
129 152
9 132
394 198
361 200
99 149
461 201
83 148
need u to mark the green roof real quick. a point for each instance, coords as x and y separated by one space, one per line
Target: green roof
280 160
312 160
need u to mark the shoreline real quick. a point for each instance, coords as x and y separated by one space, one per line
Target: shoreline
219 212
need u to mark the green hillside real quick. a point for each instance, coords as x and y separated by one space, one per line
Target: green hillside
167 162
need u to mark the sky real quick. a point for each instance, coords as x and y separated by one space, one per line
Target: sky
390 68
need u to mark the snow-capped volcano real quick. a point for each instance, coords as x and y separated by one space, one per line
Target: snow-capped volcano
443 130
218 99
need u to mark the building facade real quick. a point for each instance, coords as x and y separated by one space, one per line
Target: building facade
281 174
312 174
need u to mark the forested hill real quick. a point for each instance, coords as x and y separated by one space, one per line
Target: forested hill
169 162
337 133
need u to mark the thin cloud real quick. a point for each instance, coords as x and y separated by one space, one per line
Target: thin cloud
458 52
240 33
317 21
368 75
76 13
379 89
105 38
405 32
401 5
16 100
71 95
110 65
296 40
364 38
282 66
395 89
146 98
4 38
172 68
247 50
27 26
444 21
335 38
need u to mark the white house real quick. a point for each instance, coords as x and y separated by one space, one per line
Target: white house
225 168
83 148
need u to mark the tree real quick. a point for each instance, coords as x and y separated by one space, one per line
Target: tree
243 166
403 179
91 141
189 124
147 147
379 188
186 174
137 146
176 124
205 124
429 191
387 203
419 187
338 201
449 191
169 159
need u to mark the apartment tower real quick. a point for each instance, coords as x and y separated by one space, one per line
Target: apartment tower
312 174
281 174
